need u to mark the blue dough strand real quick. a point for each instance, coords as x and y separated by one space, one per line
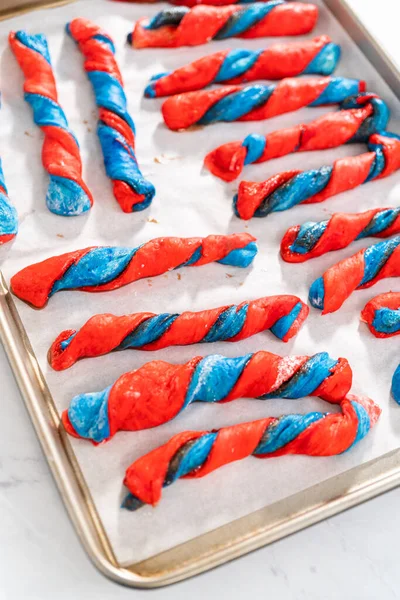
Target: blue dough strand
8 214
283 325
88 414
325 62
386 320
364 424
214 377
308 378
396 385
242 20
97 267
376 256
149 331
284 431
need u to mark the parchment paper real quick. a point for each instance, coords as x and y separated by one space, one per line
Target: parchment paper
189 202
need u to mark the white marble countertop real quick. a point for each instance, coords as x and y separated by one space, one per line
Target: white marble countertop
351 556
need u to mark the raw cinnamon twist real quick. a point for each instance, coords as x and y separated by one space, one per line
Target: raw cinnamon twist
182 26
8 214
104 268
312 239
382 315
116 129
255 102
197 453
359 117
396 385
283 315
285 190
158 391
318 56
362 270
67 193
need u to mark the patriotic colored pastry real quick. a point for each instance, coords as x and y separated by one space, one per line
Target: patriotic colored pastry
318 56
362 270
285 190
182 26
283 315
67 194
116 129
359 117
197 453
8 214
159 391
396 385
104 268
312 239
382 315
255 102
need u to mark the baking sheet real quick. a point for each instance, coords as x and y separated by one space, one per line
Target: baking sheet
189 202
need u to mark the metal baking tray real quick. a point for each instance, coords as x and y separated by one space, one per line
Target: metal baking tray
238 537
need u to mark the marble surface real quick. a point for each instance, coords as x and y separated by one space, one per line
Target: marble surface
351 556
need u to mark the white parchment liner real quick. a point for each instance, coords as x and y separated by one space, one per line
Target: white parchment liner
189 202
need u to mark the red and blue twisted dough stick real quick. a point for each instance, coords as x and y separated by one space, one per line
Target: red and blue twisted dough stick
359 116
318 56
255 102
158 391
287 189
283 315
8 214
116 129
382 315
197 453
312 239
182 26
104 268
362 270
67 193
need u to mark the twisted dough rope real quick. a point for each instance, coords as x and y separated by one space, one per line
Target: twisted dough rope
197 453
382 315
396 385
116 129
318 56
158 391
8 214
174 27
312 239
283 315
100 269
362 270
255 102
287 189
67 194
359 116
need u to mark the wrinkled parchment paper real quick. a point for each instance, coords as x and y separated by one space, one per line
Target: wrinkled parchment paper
189 202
